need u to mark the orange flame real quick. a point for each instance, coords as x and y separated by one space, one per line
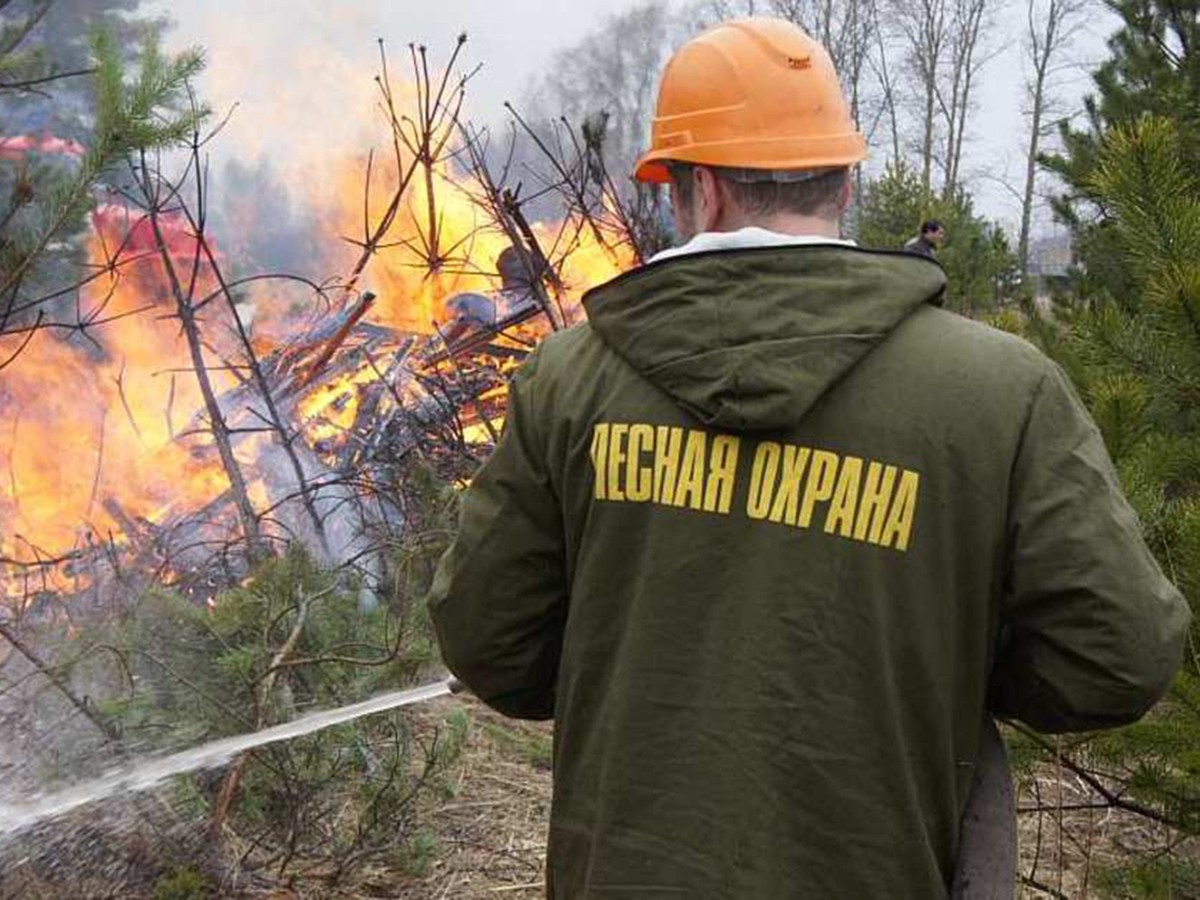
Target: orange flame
94 438
464 248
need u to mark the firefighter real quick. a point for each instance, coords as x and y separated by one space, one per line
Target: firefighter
772 532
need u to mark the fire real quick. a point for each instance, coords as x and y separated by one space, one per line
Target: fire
331 408
424 266
100 437
97 437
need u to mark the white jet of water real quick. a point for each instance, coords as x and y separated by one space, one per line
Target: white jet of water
147 773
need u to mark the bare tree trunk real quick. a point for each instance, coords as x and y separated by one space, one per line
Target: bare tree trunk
924 30
826 23
950 114
969 18
1035 134
933 33
1047 39
888 86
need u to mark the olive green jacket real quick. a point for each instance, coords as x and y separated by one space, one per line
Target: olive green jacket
765 538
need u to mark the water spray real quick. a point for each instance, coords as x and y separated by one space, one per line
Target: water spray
146 773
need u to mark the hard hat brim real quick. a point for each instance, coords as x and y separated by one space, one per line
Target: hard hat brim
824 152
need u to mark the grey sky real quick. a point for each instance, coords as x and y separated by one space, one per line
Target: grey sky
302 72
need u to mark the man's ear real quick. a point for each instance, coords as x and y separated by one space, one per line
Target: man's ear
711 202
847 192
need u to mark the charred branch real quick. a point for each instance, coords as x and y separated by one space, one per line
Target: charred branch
306 377
187 317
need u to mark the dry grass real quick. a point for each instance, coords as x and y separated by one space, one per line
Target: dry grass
1066 838
491 834
486 836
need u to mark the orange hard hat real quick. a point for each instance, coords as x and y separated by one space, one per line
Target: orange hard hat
753 94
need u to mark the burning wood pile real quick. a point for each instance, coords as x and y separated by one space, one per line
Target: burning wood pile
191 424
318 432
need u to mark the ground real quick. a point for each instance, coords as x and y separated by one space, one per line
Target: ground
489 840
481 834
1065 843
484 834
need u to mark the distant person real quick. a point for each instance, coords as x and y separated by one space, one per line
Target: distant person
772 536
929 241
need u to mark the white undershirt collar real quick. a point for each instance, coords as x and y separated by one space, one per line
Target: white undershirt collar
745 238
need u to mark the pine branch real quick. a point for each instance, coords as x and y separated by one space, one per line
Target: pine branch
129 118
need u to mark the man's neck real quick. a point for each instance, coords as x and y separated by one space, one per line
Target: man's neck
786 223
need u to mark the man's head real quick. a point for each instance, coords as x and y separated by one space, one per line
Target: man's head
933 232
713 198
752 129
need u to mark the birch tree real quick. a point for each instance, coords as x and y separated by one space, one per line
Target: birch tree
1051 26
967 53
922 28
885 76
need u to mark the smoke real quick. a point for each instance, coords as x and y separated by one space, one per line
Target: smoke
264 227
60 42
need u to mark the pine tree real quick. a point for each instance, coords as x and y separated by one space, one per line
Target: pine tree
91 114
980 266
1137 364
1132 345
1154 69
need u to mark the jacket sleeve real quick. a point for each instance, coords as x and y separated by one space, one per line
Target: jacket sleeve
499 597
1091 631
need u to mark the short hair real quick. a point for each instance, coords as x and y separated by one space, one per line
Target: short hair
766 191
930 225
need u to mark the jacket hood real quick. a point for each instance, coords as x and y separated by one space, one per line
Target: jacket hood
750 339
